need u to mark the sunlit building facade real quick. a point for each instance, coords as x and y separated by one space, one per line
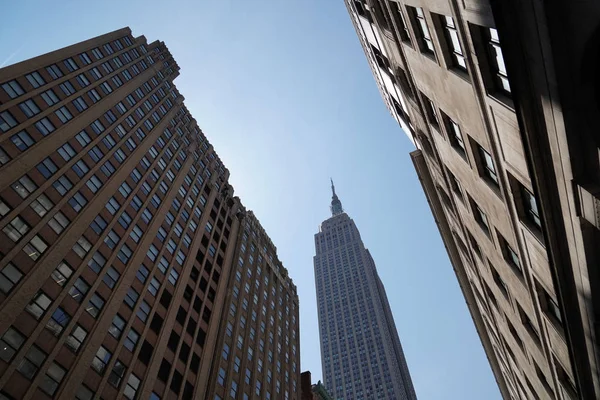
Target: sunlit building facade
128 269
501 100
361 354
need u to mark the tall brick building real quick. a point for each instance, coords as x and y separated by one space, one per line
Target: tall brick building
127 266
501 100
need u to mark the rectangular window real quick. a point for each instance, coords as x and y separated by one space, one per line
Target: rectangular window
54 71
29 108
62 273
71 64
102 358
35 79
425 42
97 53
530 208
59 320
481 218
455 137
13 89
67 88
32 362
64 114
22 140
95 305
82 80
50 97
38 305
76 338
111 277
7 121
497 62
80 104
82 247
453 42
35 248
47 167
44 126
94 96
85 59
488 168
9 277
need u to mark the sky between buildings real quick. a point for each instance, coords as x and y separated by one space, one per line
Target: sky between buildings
283 91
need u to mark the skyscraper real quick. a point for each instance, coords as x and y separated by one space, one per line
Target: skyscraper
127 266
361 354
500 99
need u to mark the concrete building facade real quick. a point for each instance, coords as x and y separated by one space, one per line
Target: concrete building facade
128 269
361 354
501 100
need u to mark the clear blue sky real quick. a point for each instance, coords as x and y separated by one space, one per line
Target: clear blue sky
282 90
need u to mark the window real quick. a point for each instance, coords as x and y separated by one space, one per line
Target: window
455 137
67 88
425 42
136 234
84 393
97 262
142 273
488 169
481 218
96 74
22 140
44 126
35 79
13 89
221 377
530 208
111 277
7 121
71 64
79 290
9 277
500 283
29 108
38 305
154 286
32 362
58 321
16 229
95 305
82 80
80 104
102 358
117 373
54 71
64 114
82 247
59 222
453 42
133 384
131 340
112 239
497 62
76 338
50 97
117 327
510 255
85 59
131 297
94 96
77 201
143 311
97 53
10 343
62 273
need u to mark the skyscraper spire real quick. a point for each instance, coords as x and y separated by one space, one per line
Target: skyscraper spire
336 204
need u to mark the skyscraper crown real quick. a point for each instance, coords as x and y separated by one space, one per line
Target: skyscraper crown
336 204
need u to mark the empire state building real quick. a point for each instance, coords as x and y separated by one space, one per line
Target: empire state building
361 354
